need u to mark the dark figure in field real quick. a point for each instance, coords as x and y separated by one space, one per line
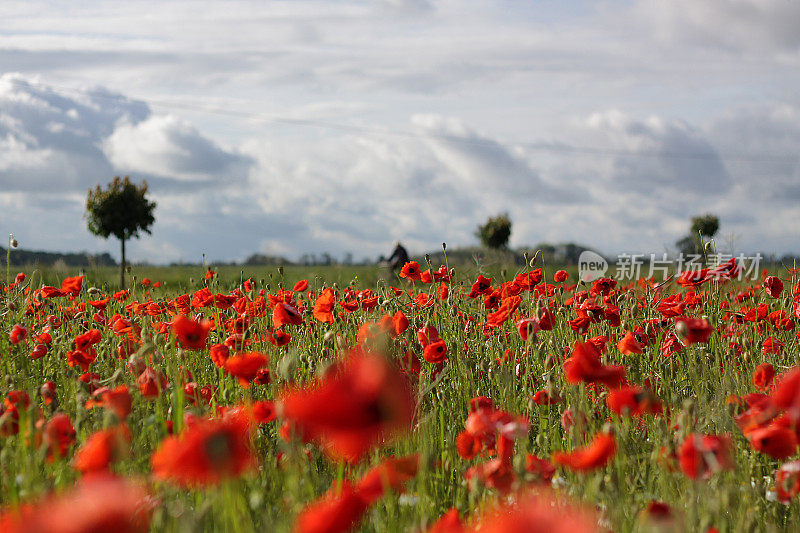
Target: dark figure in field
399 257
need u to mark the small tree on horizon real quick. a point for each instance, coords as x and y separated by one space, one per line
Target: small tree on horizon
702 226
121 210
495 232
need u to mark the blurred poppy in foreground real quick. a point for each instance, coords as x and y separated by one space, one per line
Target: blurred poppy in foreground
361 402
101 449
596 454
96 504
700 456
693 330
207 451
537 513
787 482
341 508
337 511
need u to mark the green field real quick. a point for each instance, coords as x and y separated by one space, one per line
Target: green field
180 463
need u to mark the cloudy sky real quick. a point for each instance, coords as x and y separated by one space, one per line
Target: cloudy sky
304 126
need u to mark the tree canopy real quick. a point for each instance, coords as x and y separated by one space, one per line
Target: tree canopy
122 210
495 232
702 226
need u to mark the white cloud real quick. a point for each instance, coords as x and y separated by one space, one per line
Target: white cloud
753 26
167 146
359 191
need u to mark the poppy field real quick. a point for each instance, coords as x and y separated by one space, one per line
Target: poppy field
435 402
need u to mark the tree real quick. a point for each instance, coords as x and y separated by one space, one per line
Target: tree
496 231
702 226
121 210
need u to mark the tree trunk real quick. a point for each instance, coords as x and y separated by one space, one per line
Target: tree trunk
122 267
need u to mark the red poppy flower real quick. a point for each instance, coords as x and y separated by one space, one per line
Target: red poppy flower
495 473
443 274
219 354
584 366
337 511
772 345
245 367
58 435
301 285
692 330
700 456
776 441
284 314
363 401
323 306
527 327
435 352
449 522
208 451
264 411
192 334
693 278
541 468
9 421
17 399
427 335
560 276
763 376
151 383
278 338
596 454
48 392
543 397
72 285
391 474
528 280
90 380
82 359
96 503
630 344
368 304
117 400
426 276
101 449
481 287
18 334
442 291
658 512
632 401
787 482
39 351
411 271
773 286
537 513
399 323
506 309
786 395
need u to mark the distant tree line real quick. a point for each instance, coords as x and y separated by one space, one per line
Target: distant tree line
32 257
